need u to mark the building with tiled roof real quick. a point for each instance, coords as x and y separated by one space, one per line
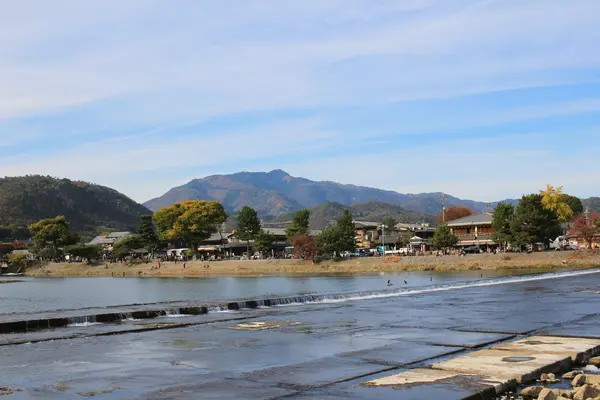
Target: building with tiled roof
474 230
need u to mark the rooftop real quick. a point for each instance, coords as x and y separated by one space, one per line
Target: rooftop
102 240
215 237
476 219
118 234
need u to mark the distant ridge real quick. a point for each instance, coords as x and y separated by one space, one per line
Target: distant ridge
87 207
278 193
372 211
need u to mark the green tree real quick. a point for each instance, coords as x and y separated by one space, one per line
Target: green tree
248 226
404 238
503 215
17 260
125 246
51 234
338 238
264 241
554 200
49 253
147 232
347 232
85 251
443 238
328 241
533 222
574 203
390 223
190 221
299 225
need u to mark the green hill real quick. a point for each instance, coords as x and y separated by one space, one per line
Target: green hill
593 203
88 207
372 211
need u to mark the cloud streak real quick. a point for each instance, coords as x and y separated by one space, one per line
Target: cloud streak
110 91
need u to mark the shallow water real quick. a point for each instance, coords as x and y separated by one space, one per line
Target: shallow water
47 294
322 350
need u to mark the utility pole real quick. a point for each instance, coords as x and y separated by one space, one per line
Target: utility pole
443 208
383 239
587 215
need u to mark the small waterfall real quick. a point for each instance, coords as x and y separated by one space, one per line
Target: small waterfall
219 308
367 295
173 313
126 316
199 309
86 320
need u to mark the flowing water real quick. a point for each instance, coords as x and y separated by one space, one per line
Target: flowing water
48 294
318 337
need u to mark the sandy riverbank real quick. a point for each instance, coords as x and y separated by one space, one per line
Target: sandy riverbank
547 260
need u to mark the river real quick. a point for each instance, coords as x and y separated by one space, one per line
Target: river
48 294
353 329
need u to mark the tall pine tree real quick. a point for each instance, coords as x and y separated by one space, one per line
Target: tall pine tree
248 226
299 225
147 232
533 222
503 215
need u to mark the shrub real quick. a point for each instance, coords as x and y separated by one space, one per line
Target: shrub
18 260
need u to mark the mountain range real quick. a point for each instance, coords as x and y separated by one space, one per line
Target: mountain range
276 195
279 193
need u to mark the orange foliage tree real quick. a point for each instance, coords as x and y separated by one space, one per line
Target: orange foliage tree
586 227
305 247
455 212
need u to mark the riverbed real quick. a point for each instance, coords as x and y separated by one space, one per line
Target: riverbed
326 348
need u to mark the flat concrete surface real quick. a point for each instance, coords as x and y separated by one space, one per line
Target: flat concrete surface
452 388
502 365
326 351
575 348
417 376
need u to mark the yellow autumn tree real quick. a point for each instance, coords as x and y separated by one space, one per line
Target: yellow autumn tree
554 199
190 221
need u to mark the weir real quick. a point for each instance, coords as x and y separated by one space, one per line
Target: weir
108 317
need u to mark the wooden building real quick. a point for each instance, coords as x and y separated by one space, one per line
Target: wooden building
474 230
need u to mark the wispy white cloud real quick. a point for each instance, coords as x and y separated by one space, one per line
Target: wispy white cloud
114 161
137 71
269 56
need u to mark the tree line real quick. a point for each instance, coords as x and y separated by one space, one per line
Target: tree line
536 218
333 240
187 224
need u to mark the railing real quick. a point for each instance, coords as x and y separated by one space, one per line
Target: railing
472 236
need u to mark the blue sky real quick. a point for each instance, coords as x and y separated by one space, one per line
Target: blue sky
480 99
